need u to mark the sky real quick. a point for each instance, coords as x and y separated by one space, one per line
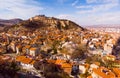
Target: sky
83 12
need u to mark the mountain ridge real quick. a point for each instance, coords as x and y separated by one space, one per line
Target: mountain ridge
4 22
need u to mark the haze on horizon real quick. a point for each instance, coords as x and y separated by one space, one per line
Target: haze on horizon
83 12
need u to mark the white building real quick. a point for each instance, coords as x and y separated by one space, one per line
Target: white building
34 51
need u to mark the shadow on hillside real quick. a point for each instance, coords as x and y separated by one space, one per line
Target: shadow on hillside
32 24
116 49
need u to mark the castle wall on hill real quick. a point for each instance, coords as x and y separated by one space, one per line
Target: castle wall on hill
51 20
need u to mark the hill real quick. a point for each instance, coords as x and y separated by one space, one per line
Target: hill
59 23
48 32
41 21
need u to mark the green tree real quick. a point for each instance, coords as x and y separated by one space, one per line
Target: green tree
80 52
9 68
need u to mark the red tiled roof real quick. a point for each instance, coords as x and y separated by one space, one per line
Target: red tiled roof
102 74
25 60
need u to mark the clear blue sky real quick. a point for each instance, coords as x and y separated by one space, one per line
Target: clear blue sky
83 12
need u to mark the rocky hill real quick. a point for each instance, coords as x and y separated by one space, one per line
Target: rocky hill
41 22
59 23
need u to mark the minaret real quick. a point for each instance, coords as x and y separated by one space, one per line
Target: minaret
8 40
81 37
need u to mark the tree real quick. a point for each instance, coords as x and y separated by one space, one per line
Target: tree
80 52
55 46
94 58
116 48
9 68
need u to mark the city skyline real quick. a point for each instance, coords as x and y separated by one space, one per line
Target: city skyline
83 12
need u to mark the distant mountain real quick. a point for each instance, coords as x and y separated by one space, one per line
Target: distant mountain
9 22
104 26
